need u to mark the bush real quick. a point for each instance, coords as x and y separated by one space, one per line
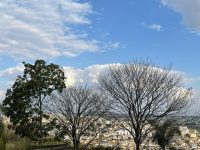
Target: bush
15 142
21 144
2 144
2 138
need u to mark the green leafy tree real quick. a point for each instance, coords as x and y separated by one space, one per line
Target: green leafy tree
25 101
165 132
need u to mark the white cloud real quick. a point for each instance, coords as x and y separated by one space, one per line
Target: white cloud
2 95
113 45
91 73
74 76
12 72
88 75
155 27
189 10
192 80
44 28
8 76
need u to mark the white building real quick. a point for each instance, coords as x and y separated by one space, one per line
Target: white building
184 130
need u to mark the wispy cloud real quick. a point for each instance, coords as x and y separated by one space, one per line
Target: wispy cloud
40 29
189 10
155 27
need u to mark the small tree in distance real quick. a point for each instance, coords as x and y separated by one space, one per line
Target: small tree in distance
24 102
76 111
165 132
140 92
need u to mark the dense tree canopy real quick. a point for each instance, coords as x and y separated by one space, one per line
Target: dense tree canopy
24 102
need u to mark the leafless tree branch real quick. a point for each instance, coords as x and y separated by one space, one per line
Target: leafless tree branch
78 109
141 92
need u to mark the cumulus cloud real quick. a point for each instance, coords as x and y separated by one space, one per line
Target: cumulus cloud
12 72
155 27
88 75
8 76
189 10
41 29
2 95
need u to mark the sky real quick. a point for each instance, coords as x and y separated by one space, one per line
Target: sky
85 36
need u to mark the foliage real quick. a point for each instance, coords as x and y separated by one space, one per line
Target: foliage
165 132
24 102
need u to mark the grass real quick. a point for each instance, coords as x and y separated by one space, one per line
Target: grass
45 145
49 143
17 145
15 142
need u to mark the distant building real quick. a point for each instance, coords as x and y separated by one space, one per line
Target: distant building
193 135
194 146
184 130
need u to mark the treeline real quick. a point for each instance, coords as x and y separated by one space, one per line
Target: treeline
140 92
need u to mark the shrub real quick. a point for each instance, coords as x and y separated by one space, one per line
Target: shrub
15 142
2 144
21 144
2 138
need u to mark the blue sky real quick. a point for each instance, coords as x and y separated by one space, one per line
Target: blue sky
86 36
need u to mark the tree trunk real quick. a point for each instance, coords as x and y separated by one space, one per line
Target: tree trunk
137 146
76 141
137 138
163 148
77 145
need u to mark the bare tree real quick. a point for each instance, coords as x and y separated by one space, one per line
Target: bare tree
142 92
78 109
